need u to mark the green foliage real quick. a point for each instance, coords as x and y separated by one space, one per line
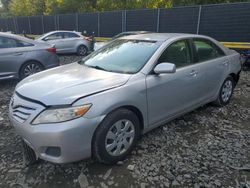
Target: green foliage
26 7
47 7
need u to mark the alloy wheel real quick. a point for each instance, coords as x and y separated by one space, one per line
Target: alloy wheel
31 68
227 90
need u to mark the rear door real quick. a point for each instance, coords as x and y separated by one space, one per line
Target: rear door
70 41
12 55
56 39
171 94
213 64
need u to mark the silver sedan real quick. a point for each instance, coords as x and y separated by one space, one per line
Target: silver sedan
21 57
99 107
67 42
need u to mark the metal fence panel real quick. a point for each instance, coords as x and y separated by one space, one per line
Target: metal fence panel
179 20
3 26
36 25
10 25
227 22
224 22
67 22
110 23
141 20
49 23
22 24
88 22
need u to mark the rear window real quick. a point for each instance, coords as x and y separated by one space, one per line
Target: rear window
71 35
207 50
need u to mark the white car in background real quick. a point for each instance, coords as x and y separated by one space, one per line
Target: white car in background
67 42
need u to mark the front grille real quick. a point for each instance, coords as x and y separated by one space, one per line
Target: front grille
22 113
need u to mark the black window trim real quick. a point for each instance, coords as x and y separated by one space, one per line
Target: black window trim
189 43
196 60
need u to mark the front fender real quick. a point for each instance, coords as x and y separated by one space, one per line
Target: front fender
133 93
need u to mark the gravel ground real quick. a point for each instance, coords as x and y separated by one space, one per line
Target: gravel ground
209 147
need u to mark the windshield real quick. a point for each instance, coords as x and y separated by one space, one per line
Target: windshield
122 56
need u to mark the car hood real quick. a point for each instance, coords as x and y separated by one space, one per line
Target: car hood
66 84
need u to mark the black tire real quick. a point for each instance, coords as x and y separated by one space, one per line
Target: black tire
219 101
29 156
37 68
82 50
99 140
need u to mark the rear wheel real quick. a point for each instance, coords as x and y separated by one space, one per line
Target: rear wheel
30 68
116 136
226 92
82 50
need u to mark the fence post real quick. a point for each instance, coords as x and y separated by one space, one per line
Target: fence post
122 21
77 23
29 24
58 22
199 19
15 25
98 24
125 20
42 24
158 20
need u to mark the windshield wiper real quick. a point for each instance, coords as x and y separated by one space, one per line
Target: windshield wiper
98 67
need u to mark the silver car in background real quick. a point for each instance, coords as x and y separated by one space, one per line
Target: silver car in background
21 57
98 107
67 42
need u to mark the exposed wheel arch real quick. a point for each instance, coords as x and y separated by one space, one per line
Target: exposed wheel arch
236 77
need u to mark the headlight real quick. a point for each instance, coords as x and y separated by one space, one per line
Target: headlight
57 115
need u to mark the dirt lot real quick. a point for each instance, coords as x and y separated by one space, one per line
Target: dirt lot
209 147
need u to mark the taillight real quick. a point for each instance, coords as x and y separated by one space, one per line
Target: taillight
52 50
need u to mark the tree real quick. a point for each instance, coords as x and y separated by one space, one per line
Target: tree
5 4
27 7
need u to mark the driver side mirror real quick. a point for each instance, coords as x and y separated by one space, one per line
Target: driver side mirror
164 68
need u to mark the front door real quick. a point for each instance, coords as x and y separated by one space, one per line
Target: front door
171 94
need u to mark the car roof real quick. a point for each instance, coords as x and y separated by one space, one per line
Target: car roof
161 36
136 32
65 31
18 37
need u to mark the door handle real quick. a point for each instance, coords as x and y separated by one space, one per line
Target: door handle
193 73
225 63
17 54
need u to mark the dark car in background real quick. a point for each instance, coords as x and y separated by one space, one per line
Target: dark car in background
21 57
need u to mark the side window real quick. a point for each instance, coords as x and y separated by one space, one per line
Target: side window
24 44
8 43
71 35
54 36
177 53
206 50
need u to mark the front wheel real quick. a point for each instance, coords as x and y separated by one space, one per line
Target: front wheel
116 136
226 92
